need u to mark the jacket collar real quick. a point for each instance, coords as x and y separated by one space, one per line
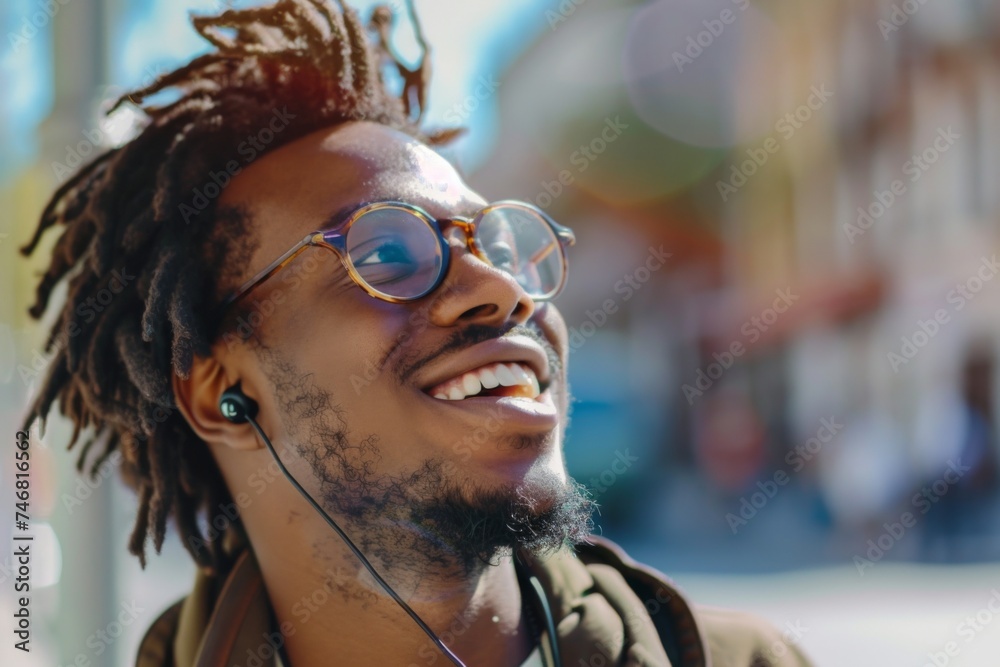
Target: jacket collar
598 616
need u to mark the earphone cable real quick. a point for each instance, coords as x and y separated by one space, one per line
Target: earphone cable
357 552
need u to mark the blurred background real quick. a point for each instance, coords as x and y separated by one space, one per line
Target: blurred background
784 322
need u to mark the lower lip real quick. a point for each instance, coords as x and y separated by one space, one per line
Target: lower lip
539 412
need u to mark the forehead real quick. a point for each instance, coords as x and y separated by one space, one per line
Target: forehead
293 190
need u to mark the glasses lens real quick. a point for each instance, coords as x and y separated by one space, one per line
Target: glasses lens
520 241
395 251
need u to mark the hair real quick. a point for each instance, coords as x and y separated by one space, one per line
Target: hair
146 266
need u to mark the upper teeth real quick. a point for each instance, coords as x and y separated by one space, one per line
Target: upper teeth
488 376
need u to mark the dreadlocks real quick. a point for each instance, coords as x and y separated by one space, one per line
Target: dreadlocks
145 275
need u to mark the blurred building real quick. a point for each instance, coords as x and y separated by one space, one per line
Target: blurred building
822 174
782 209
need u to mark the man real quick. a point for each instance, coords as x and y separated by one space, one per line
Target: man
359 431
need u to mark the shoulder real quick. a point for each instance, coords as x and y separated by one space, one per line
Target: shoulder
736 639
702 634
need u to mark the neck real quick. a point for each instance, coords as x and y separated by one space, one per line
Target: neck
327 604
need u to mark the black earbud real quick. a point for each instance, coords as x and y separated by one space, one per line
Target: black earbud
239 408
236 406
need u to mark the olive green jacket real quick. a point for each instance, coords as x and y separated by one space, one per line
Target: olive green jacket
608 610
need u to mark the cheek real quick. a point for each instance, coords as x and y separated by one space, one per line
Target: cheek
554 328
340 337
355 345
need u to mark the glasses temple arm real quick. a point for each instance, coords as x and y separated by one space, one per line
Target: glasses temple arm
271 269
565 236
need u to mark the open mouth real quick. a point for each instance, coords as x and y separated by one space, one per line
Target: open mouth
504 379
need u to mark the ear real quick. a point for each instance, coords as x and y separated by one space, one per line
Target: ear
197 398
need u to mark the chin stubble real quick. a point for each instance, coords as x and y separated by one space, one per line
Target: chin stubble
424 522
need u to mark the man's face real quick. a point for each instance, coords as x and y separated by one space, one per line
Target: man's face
344 379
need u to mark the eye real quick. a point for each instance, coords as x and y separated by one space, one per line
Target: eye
385 253
496 237
502 255
384 259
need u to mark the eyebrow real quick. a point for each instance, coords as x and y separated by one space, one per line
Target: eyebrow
338 216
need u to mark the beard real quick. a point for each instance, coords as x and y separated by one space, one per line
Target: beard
456 530
424 521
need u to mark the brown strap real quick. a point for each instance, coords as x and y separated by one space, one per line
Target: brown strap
155 649
228 625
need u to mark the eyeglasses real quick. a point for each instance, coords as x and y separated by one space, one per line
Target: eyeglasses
397 252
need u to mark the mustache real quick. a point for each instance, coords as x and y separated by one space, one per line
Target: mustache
479 333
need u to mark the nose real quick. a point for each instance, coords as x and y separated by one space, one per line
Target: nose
474 292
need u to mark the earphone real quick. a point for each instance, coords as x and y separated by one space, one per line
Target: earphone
239 408
236 406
